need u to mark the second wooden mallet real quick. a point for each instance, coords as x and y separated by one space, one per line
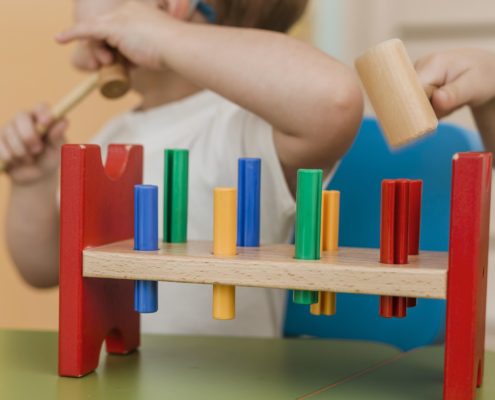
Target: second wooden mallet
400 102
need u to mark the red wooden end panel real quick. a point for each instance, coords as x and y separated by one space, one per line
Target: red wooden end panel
96 208
467 276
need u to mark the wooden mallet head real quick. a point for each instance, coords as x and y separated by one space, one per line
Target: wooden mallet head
113 81
400 102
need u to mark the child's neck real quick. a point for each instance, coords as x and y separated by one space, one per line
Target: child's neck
158 88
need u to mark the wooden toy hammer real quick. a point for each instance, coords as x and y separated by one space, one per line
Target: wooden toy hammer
400 102
112 81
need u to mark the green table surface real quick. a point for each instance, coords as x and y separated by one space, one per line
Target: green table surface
192 367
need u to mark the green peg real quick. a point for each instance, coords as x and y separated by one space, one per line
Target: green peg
175 195
308 224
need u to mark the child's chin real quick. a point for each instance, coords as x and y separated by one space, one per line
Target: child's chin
142 77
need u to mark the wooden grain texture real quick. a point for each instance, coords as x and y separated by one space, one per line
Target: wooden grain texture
396 94
351 270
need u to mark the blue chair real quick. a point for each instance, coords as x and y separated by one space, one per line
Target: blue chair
359 177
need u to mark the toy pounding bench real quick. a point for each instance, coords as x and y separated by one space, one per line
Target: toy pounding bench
100 261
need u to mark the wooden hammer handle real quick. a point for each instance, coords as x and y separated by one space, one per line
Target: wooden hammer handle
73 98
112 80
66 104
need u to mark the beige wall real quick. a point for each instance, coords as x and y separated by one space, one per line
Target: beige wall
34 68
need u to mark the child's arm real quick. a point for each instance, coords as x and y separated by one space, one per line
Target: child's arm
313 102
32 215
464 77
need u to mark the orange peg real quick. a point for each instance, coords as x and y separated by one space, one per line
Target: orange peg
224 244
329 242
330 220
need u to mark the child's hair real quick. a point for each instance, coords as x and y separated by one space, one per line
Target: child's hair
274 15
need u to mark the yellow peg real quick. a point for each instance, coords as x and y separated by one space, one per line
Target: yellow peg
329 242
223 302
326 304
224 244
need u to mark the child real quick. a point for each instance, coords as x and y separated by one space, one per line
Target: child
467 77
223 92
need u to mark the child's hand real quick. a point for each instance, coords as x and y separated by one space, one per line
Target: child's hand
137 30
463 77
29 156
91 55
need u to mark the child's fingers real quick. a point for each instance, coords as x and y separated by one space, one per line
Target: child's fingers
450 77
432 70
56 134
81 31
24 125
452 96
5 153
83 58
102 53
14 143
90 55
42 114
56 129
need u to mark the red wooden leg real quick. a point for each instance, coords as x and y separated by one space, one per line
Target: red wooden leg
96 208
467 275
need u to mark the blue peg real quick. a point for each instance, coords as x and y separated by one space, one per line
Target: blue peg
146 239
248 203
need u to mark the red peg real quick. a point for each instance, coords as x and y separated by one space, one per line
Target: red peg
387 306
394 238
415 189
387 222
401 241
400 307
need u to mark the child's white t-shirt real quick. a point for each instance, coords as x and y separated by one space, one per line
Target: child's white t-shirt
217 133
